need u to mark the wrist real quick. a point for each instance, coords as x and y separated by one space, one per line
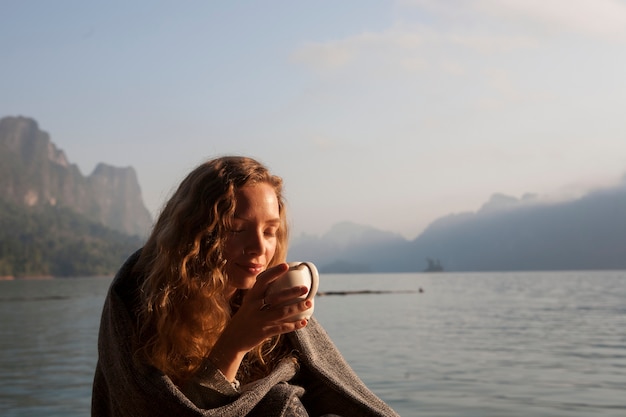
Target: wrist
226 359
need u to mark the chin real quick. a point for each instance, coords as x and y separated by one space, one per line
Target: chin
242 283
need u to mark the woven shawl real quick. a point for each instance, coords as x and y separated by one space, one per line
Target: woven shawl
125 386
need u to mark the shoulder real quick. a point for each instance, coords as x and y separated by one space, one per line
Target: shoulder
127 281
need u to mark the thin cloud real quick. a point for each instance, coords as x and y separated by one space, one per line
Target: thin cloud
491 44
605 19
338 54
407 48
597 18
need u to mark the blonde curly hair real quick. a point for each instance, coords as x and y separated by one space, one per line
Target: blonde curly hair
183 309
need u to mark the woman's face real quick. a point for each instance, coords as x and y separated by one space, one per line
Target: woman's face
251 243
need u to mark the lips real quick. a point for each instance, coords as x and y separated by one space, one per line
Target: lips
252 268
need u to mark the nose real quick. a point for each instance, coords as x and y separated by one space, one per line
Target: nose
255 244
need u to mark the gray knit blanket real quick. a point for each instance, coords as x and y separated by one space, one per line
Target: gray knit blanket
124 386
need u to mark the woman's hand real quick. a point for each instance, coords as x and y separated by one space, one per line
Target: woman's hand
259 317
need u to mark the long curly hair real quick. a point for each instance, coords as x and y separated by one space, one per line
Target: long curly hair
183 309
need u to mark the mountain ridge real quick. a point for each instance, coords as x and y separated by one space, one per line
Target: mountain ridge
504 234
35 172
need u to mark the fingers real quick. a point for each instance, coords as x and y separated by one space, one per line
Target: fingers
286 313
272 273
283 297
245 331
265 278
273 321
284 328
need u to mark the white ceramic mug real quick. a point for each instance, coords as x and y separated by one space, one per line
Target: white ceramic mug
299 273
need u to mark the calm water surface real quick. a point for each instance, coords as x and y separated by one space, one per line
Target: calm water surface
495 344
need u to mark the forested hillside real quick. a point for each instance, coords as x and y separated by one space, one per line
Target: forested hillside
52 241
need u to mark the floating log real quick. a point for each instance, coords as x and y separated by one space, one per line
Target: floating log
357 292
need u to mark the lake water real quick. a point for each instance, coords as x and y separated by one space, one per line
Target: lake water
479 344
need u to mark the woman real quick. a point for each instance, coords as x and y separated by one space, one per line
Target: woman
187 329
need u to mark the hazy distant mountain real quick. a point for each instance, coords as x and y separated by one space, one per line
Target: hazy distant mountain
349 247
587 233
505 234
34 172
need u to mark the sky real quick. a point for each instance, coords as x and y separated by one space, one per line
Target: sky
389 114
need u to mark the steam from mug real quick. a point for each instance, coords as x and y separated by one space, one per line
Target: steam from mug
299 273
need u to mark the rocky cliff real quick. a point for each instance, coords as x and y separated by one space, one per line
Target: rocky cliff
34 172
